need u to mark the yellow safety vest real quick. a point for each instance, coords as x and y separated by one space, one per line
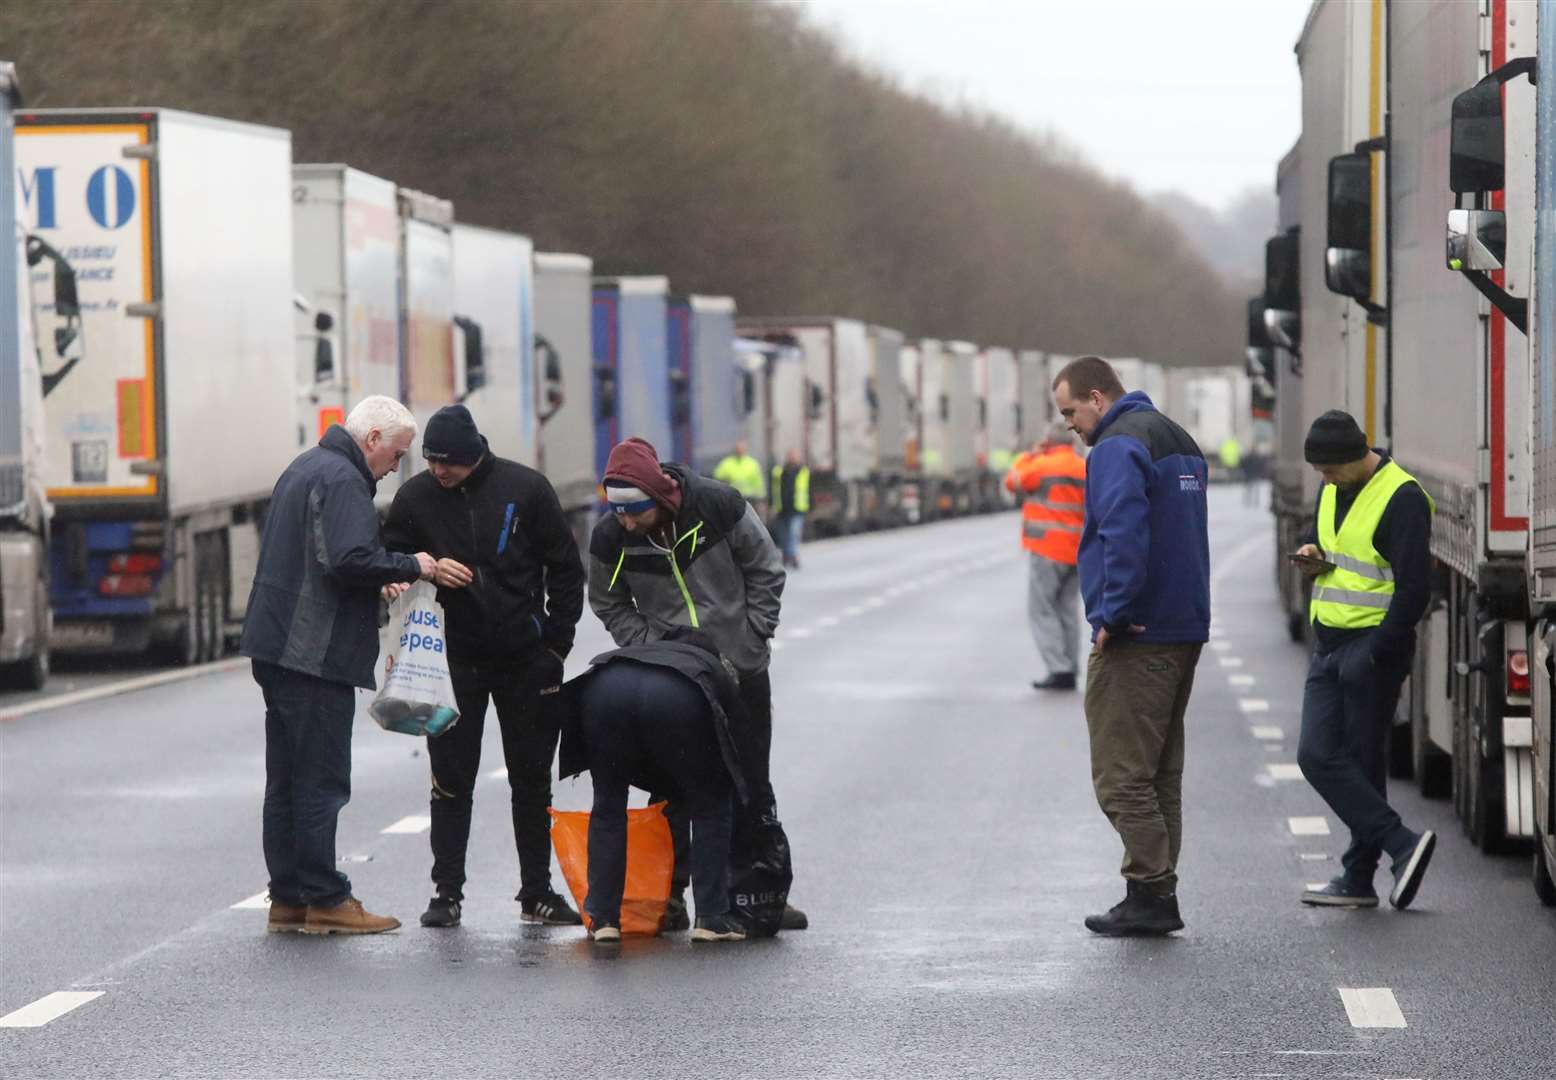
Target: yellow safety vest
801 491
1356 594
744 474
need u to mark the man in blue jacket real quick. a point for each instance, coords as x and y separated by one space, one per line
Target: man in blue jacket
1145 577
312 633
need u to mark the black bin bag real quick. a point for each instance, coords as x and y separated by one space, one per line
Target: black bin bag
759 872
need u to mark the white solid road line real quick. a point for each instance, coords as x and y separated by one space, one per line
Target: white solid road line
408 826
124 686
1284 771
260 900
1308 826
49 1007
1253 704
1372 1007
1270 733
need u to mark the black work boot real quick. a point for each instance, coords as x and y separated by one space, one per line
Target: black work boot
1142 913
1063 680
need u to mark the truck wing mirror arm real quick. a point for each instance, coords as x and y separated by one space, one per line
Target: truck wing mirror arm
1514 308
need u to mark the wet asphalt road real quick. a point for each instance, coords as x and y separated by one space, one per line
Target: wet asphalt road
946 847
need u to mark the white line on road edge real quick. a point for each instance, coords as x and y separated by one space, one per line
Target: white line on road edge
1372 1007
1308 826
260 901
1253 704
50 1007
408 826
1240 680
1271 733
1285 772
97 693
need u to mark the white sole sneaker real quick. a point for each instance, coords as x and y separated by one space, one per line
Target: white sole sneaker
714 935
1409 881
606 935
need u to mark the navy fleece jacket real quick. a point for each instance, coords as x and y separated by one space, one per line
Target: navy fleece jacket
1145 549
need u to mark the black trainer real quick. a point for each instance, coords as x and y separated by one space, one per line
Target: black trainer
1410 868
1342 892
793 919
1063 680
718 928
442 911
675 918
1141 913
549 909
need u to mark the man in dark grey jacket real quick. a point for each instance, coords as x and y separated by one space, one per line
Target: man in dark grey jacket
683 550
312 633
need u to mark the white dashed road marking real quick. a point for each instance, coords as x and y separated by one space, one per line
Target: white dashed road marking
828 620
801 632
497 774
408 826
49 1007
1220 646
1253 705
854 611
1271 733
1240 680
1285 771
1372 1007
260 901
1308 826
1230 661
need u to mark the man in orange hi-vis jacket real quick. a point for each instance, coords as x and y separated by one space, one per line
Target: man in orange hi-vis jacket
1051 481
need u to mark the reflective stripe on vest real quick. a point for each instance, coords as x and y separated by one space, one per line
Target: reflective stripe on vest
1356 594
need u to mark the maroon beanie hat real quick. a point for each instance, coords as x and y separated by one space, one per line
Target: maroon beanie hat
633 474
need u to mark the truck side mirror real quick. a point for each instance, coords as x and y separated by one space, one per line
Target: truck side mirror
747 393
475 354
551 369
324 322
817 400
1477 239
680 398
605 395
1348 253
871 398
945 408
1283 289
1475 142
66 303
323 360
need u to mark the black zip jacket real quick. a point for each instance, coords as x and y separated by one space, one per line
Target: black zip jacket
314 605
1404 538
506 524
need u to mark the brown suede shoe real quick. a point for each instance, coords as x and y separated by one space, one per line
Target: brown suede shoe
347 917
286 918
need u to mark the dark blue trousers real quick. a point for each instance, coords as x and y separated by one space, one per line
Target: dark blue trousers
307 782
1347 711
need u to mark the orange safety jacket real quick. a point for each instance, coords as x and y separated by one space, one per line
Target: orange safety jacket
1053 485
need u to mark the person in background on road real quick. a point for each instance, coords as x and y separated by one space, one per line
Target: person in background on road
1145 574
663 716
1051 482
1373 529
1230 454
312 634
791 502
682 550
511 584
743 472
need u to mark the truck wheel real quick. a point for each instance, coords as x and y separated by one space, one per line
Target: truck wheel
1544 878
212 597
1432 768
1484 819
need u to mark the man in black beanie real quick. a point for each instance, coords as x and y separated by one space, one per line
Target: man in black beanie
1369 555
511 584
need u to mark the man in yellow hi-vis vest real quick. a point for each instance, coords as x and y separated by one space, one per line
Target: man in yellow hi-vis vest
743 472
1370 559
791 502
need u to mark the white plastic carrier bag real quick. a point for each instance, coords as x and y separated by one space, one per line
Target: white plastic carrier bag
416 696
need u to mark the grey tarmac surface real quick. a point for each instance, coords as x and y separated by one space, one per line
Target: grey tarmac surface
946 846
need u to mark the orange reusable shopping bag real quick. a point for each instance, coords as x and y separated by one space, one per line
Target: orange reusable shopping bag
650 863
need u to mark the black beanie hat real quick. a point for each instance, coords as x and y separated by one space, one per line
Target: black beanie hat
451 437
1334 439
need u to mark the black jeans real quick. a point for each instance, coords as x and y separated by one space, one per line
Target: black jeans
307 782
754 738
642 721
530 723
1347 711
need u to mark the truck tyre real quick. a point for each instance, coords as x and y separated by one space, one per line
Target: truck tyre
1544 876
1484 819
212 598
1431 767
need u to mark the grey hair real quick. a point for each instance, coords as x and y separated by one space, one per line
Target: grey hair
382 414
1059 434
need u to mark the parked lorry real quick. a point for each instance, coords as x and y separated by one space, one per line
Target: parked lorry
718 394
1034 406
633 390
346 272
1275 339
163 449
892 497
1001 424
567 390
428 375
494 302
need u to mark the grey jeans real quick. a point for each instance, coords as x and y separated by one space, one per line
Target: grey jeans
1053 610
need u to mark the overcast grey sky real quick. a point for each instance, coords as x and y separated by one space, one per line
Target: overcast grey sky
1198 96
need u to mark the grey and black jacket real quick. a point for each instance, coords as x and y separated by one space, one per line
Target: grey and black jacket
314 605
722 574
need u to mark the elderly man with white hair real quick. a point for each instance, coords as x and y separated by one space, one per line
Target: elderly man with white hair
312 633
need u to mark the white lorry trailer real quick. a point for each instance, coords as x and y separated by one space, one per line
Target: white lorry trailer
346 270
895 409
1001 427
494 304
564 353
1034 405
163 449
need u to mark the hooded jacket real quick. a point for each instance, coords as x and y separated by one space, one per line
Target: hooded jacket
691 656
506 525
1145 548
314 604
722 574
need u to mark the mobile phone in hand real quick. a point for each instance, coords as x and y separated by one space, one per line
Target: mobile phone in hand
1311 562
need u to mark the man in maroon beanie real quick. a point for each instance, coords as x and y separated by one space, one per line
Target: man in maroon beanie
684 550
